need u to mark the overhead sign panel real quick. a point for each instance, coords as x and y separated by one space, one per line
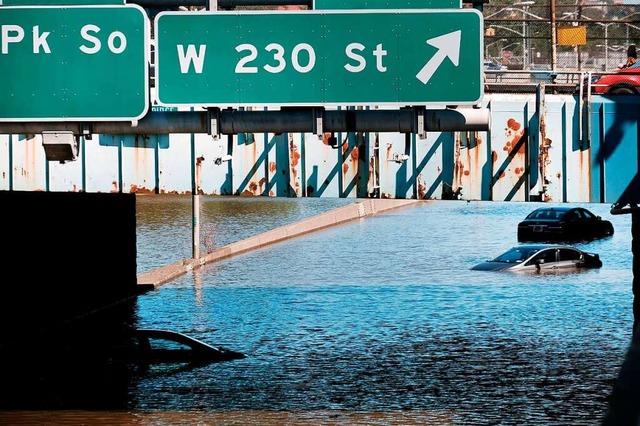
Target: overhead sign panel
74 63
57 2
386 4
373 57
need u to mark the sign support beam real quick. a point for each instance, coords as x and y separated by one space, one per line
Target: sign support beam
301 120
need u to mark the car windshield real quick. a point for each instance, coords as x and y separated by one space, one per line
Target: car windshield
546 214
515 255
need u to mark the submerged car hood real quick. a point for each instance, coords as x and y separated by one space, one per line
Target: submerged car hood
493 266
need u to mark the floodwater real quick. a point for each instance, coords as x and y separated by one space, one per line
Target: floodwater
377 321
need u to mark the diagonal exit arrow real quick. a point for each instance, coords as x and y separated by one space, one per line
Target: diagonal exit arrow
448 46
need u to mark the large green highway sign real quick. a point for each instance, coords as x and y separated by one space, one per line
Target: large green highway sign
385 4
372 57
74 63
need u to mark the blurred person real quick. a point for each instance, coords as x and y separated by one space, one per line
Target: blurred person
632 57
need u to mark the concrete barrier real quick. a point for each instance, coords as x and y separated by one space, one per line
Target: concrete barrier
360 209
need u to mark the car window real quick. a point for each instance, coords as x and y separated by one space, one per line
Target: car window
568 254
539 214
587 214
572 215
515 255
548 256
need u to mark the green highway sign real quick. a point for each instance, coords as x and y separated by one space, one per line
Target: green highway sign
74 63
57 2
386 4
332 57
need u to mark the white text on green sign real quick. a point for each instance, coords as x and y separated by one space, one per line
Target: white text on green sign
385 4
319 57
74 63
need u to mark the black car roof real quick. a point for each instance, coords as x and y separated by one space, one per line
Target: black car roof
544 246
562 208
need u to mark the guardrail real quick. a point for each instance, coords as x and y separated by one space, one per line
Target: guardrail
583 83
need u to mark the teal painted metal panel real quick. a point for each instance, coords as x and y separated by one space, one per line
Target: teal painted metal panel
28 163
553 149
65 177
102 163
138 163
509 129
576 156
481 165
470 157
284 180
322 167
216 174
431 175
249 165
174 155
396 166
615 147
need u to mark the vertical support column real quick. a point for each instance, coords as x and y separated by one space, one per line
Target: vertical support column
635 250
196 208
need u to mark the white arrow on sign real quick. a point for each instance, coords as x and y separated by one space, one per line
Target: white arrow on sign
448 46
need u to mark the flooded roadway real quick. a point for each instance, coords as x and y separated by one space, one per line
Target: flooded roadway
379 321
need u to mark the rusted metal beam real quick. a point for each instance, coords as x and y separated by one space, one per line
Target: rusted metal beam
230 121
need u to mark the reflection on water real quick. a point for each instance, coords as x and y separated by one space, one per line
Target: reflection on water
383 314
381 321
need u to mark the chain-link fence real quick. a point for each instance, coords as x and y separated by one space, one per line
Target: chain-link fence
583 36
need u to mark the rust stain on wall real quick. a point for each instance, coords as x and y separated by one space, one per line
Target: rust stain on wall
135 189
325 138
422 187
458 167
514 133
294 160
544 161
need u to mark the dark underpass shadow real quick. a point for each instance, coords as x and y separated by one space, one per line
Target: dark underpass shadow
624 401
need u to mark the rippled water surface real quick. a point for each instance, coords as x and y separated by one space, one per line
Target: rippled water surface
383 315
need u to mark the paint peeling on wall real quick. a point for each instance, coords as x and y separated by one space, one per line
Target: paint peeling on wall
491 165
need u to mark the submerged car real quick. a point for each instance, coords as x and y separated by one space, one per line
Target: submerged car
563 224
541 258
165 346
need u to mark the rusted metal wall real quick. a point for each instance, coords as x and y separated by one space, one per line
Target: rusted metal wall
537 148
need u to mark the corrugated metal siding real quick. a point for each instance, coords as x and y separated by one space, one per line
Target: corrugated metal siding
510 135
29 167
533 149
104 150
615 147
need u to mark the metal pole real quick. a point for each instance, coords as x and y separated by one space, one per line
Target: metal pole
606 46
554 36
525 47
232 122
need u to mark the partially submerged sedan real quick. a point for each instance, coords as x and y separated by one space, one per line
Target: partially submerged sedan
152 346
563 224
541 258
